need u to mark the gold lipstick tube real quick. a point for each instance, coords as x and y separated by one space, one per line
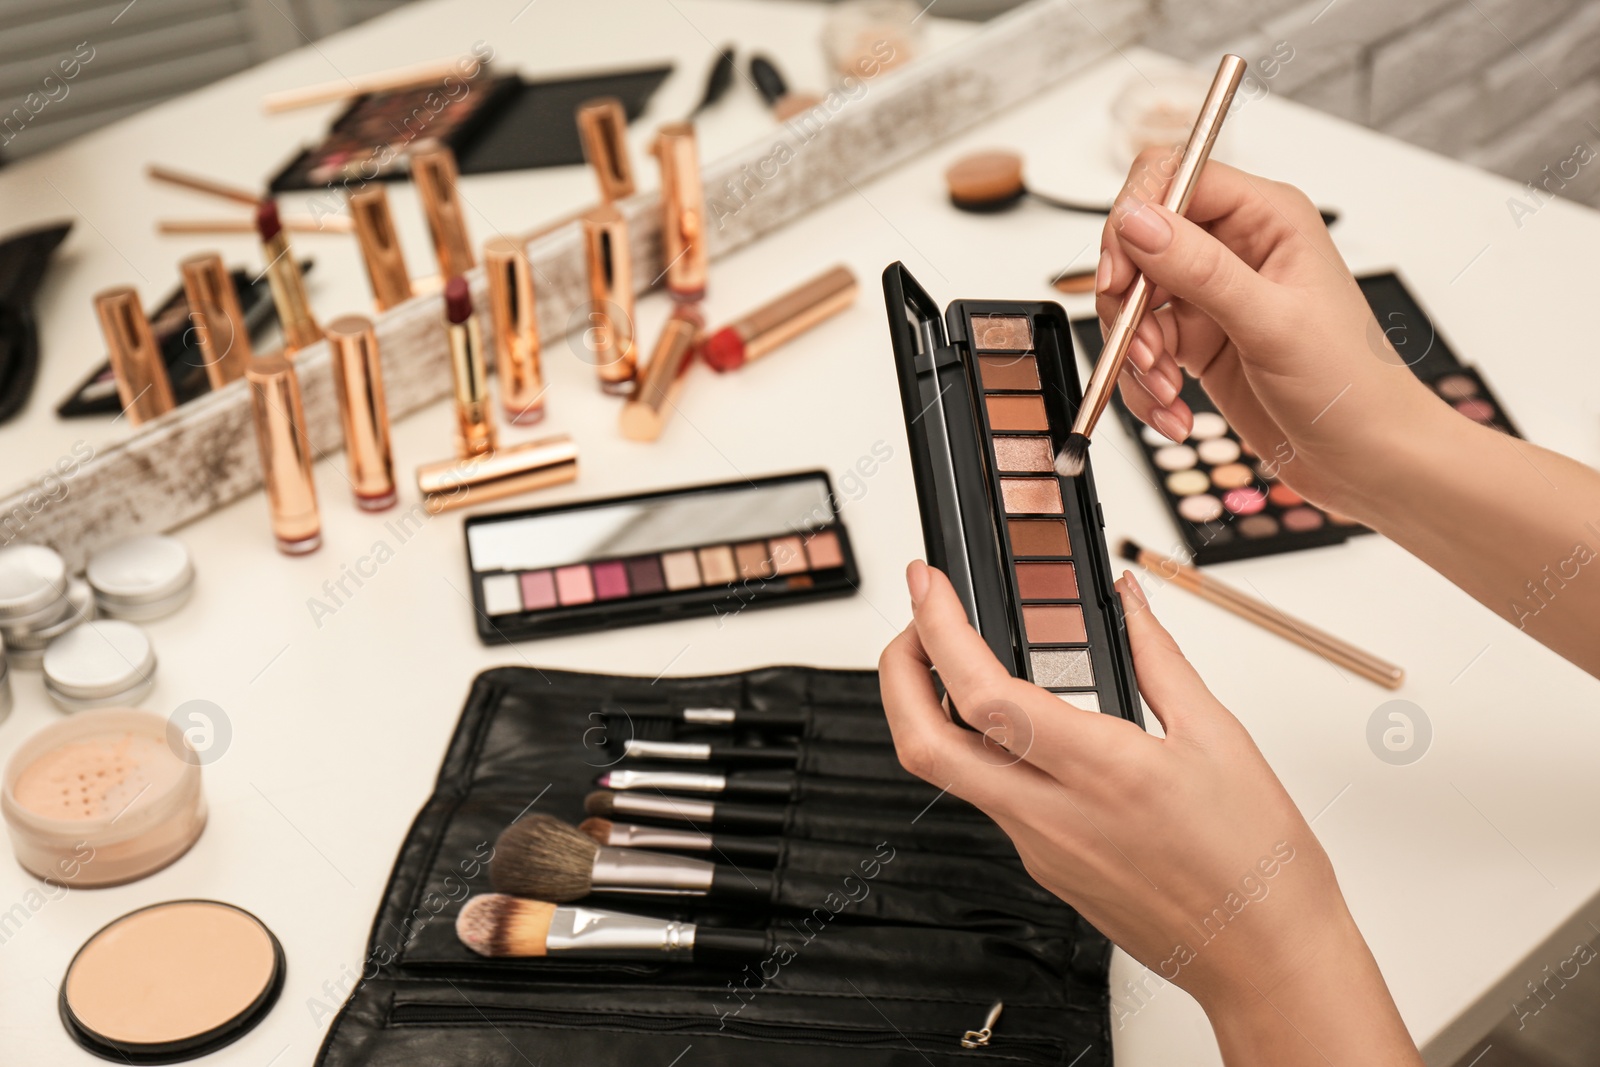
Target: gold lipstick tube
474 416
456 483
285 454
656 395
603 129
358 382
513 313
214 313
299 326
683 209
781 319
380 246
142 383
609 336
433 170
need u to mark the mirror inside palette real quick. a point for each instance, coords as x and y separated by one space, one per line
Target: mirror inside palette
987 405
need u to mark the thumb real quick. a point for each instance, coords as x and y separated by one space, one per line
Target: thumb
1167 680
1185 260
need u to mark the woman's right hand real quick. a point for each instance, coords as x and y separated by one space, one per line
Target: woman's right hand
1265 313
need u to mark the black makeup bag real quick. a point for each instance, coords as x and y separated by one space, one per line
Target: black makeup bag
887 943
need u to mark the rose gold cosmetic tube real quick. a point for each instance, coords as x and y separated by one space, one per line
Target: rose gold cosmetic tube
358 381
609 336
456 483
285 453
781 319
683 210
603 129
299 326
215 316
656 395
516 329
475 433
142 383
380 246
433 170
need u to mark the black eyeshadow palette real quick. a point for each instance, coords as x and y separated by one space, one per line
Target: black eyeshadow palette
1227 501
989 393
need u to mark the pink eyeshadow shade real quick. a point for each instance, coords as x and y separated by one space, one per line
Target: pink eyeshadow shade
538 590
823 548
788 555
573 585
610 580
1244 501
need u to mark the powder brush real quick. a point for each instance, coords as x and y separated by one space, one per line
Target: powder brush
1075 452
668 839
547 859
496 925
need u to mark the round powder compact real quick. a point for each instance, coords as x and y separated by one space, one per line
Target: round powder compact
26 645
172 982
33 580
141 578
99 664
103 798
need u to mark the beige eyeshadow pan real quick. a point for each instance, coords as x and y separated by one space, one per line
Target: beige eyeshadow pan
1002 333
788 555
1031 496
753 560
1030 454
717 565
680 570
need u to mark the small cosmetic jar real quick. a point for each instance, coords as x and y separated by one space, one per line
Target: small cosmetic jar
99 664
27 644
33 583
5 683
141 578
102 798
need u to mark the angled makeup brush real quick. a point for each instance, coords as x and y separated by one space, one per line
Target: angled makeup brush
667 839
1075 452
493 924
718 80
701 814
547 859
725 755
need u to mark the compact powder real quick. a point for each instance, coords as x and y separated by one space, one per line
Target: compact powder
1031 496
1016 413
1002 333
1038 537
1024 454
173 981
1047 581
1020 373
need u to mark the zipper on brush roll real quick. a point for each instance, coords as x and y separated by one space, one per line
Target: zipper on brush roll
980 1038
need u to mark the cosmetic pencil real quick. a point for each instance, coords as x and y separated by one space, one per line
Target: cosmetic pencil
709 814
544 858
731 847
721 754
1075 451
1336 651
494 924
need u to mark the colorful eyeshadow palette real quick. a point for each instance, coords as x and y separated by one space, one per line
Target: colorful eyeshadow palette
985 412
1227 501
713 549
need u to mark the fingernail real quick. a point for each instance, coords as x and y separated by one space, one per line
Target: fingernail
1145 229
1167 424
917 581
1102 273
1140 356
1161 389
1130 586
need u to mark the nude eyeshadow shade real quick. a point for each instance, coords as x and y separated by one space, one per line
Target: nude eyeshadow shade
1030 454
655 556
171 982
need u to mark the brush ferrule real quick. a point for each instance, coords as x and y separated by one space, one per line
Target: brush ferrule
595 933
669 750
650 872
678 781
627 835
710 716
674 808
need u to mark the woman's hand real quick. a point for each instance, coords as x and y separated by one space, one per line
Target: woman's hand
1184 850
1265 313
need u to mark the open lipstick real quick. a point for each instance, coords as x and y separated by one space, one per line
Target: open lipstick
609 336
493 924
516 329
780 320
286 454
288 287
474 418
219 325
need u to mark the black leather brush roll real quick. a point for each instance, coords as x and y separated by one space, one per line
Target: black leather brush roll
893 926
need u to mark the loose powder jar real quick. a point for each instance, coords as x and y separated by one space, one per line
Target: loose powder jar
102 798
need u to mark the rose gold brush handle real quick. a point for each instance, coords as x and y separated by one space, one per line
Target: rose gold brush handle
1195 153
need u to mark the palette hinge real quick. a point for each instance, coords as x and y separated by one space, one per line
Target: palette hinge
942 356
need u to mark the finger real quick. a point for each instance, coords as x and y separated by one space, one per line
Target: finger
1172 421
1257 214
1167 680
966 664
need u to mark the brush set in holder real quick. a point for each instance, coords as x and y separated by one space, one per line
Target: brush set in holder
612 869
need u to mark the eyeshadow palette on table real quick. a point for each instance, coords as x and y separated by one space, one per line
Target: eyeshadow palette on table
1227 500
896 920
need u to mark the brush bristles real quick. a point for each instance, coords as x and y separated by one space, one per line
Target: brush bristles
1129 551
600 803
543 858
1073 455
493 924
598 829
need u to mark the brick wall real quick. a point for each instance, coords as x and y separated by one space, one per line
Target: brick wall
1512 86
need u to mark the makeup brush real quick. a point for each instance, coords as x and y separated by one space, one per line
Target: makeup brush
718 80
1075 452
699 752
991 180
1336 651
545 858
764 785
730 847
493 924
774 89
714 815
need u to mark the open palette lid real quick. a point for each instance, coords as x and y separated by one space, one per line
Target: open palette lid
971 521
